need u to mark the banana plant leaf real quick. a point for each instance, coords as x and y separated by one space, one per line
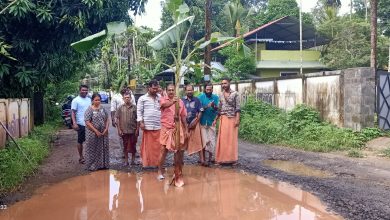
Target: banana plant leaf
89 42
169 36
92 41
214 40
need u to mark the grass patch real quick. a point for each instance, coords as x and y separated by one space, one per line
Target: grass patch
14 166
386 152
355 153
300 128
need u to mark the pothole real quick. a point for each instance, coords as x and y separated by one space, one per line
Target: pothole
296 168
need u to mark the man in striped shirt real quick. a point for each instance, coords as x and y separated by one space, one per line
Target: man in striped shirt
148 118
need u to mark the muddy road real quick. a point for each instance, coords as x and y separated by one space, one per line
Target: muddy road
352 188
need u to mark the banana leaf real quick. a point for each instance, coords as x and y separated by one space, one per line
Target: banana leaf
169 36
92 41
89 42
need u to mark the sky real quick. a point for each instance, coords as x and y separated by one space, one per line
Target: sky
152 15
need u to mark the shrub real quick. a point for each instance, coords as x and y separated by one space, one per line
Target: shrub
302 116
14 166
300 128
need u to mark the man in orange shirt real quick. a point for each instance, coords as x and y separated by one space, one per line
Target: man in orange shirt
169 120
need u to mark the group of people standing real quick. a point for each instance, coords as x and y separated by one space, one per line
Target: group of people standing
168 124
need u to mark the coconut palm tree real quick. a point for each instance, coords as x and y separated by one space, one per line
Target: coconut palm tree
237 16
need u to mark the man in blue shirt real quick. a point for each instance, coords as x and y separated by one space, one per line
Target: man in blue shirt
79 105
210 103
194 113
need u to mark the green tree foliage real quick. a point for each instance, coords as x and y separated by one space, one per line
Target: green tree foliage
277 9
361 8
384 17
350 44
280 8
38 34
125 56
238 66
238 17
326 10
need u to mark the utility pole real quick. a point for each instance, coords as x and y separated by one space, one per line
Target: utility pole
300 36
388 65
366 5
374 11
207 53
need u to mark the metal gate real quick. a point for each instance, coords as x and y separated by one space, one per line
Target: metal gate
383 100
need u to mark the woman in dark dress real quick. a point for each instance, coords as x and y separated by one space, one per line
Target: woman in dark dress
96 148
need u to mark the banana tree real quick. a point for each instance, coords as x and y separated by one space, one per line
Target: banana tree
177 35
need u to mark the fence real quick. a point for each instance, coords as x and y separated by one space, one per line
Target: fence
345 98
16 114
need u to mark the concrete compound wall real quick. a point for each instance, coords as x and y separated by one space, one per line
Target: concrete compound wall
346 98
16 115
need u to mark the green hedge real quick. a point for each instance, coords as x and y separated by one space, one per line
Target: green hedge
300 128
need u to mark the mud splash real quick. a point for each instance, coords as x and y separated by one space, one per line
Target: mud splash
208 194
296 168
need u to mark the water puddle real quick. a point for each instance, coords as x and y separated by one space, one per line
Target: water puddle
208 194
296 168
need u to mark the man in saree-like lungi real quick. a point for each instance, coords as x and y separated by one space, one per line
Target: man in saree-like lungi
194 113
173 120
148 118
227 142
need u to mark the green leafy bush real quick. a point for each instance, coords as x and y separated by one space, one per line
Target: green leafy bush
386 152
300 128
302 116
14 166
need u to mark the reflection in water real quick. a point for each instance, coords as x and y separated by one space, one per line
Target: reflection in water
296 168
208 194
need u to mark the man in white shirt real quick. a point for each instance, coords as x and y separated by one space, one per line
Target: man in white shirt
79 105
149 120
116 102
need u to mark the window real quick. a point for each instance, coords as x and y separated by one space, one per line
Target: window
284 74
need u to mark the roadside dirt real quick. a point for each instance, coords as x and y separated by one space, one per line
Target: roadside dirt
358 188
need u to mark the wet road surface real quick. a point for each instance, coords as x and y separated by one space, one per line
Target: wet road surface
355 188
209 193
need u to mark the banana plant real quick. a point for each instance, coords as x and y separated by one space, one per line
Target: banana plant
175 38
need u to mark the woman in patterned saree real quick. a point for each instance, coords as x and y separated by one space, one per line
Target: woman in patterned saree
96 150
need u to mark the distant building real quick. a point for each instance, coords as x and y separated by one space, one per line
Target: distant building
168 75
276 46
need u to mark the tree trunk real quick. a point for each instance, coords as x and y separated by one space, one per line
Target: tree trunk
207 53
129 49
106 67
374 7
39 108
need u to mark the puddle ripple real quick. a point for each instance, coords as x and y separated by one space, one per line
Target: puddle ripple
208 194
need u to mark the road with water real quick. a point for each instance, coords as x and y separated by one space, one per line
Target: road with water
269 182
